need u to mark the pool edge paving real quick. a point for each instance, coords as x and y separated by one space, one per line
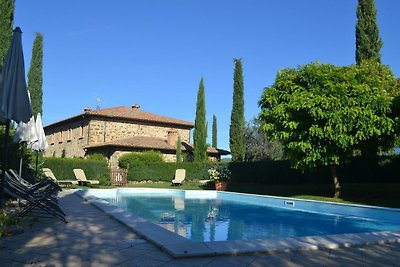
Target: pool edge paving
180 247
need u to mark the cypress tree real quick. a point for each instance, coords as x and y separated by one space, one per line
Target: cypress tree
200 127
368 42
35 75
179 150
214 132
237 127
6 27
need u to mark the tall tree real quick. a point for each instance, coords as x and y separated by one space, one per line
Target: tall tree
214 132
6 27
179 150
323 113
237 127
259 146
35 75
200 126
368 42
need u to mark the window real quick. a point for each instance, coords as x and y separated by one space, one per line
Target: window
52 139
81 132
69 136
60 136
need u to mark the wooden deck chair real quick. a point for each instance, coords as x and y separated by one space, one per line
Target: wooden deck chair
180 175
81 178
48 173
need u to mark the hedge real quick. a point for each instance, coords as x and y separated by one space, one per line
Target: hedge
356 170
162 171
63 168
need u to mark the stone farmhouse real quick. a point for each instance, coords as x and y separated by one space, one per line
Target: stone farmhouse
118 130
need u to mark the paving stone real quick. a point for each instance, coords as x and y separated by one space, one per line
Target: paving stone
144 262
28 258
189 262
279 259
233 261
395 247
347 257
313 258
380 255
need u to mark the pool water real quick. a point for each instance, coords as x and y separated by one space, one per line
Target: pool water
225 217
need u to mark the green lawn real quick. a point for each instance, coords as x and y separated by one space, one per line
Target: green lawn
383 194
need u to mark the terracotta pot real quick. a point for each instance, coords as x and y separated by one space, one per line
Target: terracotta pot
221 186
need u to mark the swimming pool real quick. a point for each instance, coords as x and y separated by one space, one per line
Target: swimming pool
211 222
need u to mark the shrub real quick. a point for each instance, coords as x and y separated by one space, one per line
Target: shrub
15 151
7 220
221 174
134 159
97 156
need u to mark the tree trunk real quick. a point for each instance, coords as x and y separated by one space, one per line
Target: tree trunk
335 181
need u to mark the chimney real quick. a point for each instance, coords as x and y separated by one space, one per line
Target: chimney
87 109
136 106
172 138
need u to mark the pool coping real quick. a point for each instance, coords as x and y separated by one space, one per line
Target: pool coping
181 247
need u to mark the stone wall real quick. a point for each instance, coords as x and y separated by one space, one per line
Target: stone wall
105 130
68 141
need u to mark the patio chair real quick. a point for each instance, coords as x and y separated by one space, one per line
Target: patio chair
180 175
40 195
49 173
81 178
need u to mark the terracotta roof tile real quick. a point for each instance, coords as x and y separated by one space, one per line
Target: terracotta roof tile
136 142
132 114
147 142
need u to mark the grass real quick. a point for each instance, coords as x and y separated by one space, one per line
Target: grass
189 185
382 194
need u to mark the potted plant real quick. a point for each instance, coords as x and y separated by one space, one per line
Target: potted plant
220 176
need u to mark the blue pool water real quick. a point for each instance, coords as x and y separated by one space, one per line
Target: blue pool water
224 216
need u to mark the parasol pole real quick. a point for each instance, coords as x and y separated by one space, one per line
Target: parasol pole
4 165
37 155
21 160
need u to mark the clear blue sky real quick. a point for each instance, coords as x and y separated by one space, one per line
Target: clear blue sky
154 52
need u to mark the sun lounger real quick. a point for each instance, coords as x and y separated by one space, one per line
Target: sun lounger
180 175
81 178
48 173
32 183
40 195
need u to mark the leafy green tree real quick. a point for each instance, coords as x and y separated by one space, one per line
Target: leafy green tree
322 113
368 42
179 157
258 145
214 132
200 127
35 75
236 130
6 27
